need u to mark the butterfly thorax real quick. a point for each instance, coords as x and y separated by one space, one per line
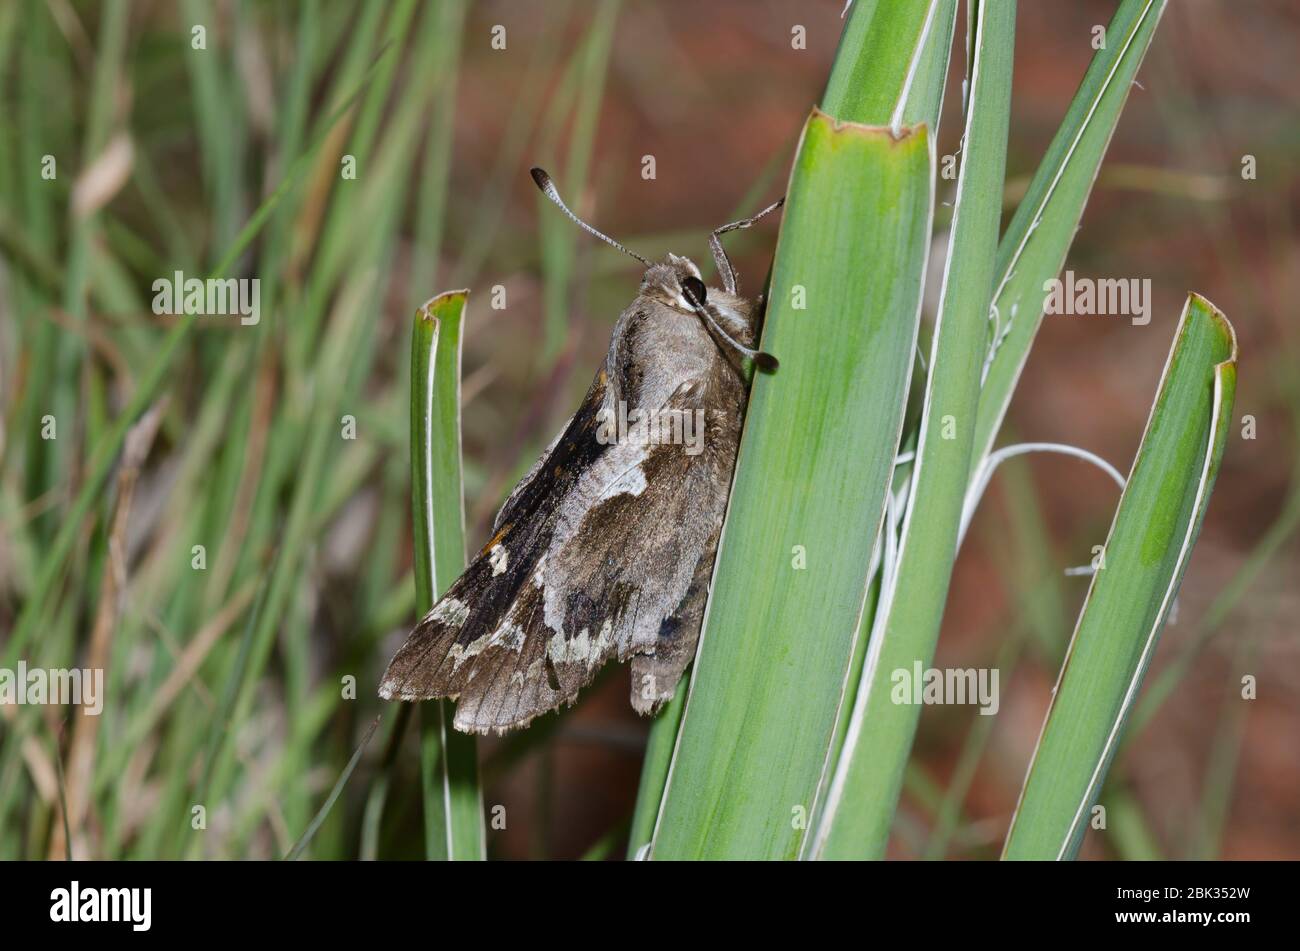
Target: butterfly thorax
660 344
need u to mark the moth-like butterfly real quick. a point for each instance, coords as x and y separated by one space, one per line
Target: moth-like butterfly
606 547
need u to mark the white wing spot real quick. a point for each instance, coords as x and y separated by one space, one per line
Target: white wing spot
510 636
631 482
498 558
533 672
450 612
581 648
459 654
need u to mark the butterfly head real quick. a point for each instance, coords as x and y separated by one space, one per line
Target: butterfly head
675 282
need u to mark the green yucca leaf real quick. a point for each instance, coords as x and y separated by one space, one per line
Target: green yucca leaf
1035 244
864 791
815 460
891 67
453 803
654 769
1146 552
892 63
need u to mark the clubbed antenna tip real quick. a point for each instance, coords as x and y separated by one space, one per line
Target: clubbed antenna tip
549 190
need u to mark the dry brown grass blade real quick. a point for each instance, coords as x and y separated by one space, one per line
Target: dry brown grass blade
39 765
245 494
191 659
112 588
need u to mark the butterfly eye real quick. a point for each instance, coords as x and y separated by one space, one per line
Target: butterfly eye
694 289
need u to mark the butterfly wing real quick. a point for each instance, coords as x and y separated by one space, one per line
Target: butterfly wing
605 552
434 660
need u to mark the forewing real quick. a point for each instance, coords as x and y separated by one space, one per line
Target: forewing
432 662
627 573
603 550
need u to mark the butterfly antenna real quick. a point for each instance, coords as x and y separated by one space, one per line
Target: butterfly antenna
720 258
548 189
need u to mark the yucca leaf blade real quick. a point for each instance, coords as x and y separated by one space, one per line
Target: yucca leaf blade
892 62
453 805
1146 552
864 791
1033 248
815 460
